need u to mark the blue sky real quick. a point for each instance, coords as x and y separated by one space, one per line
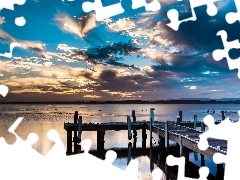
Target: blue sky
67 55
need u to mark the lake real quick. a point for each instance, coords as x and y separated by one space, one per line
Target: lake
40 118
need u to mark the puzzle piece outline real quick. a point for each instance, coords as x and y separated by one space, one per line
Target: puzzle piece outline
219 54
104 12
173 14
231 134
180 162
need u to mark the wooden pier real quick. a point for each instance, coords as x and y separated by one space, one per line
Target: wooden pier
183 133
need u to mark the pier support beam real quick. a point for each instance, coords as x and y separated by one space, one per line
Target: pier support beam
180 145
129 152
75 137
166 136
134 120
202 160
180 116
69 143
220 172
129 128
202 126
195 122
186 153
100 142
79 133
144 138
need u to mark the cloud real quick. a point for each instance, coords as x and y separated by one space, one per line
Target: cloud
121 25
81 27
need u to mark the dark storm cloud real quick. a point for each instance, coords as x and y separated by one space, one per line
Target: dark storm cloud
201 34
108 55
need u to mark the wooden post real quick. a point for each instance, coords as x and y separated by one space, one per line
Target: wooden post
166 136
151 132
220 171
178 120
151 159
152 114
69 142
100 142
144 137
202 160
79 131
180 115
195 122
202 126
75 137
186 153
180 146
223 116
166 171
129 152
129 128
134 120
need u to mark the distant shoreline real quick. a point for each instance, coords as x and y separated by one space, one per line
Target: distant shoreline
134 102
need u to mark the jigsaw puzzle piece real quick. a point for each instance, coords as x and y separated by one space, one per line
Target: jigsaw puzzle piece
153 6
157 174
232 17
58 148
180 162
173 14
3 90
102 12
219 54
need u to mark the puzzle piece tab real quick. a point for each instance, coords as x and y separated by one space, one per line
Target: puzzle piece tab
180 162
229 131
153 6
101 11
173 14
232 17
219 54
104 12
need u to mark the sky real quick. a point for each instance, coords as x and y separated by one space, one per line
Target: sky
66 54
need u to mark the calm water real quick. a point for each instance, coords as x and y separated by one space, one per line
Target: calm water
41 118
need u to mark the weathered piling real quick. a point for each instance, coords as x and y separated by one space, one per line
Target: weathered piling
202 126
152 114
186 153
75 137
69 143
220 171
129 152
180 146
195 122
151 132
202 160
166 136
223 115
180 115
79 132
129 128
178 120
144 138
100 142
134 120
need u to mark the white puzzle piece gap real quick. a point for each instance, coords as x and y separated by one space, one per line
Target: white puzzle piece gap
153 6
105 12
12 45
102 12
229 131
219 54
173 14
180 162
232 17
3 90
26 163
